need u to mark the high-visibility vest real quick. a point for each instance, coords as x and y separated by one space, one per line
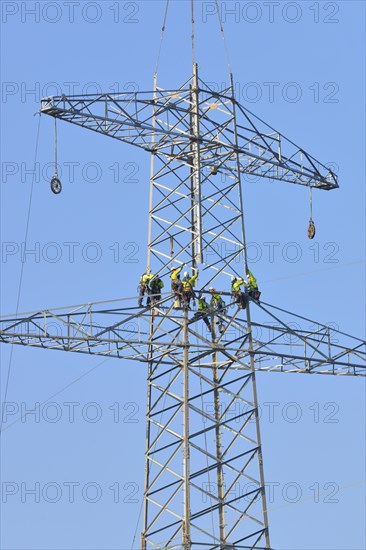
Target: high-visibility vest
252 281
188 283
202 305
156 284
145 279
216 299
174 275
235 287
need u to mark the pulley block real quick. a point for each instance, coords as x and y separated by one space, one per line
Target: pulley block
56 186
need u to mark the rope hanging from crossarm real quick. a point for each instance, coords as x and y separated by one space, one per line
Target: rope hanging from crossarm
55 183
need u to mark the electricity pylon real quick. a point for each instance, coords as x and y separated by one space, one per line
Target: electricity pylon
203 432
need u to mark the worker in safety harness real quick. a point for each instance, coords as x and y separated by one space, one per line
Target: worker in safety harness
202 312
144 287
175 278
219 305
240 297
156 284
187 287
252 286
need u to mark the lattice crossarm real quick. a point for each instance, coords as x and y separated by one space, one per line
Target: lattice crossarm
122 332
128 116
266 152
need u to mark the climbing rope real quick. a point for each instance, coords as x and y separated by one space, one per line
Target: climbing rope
222 32
192 34
223 37
22 265
162 36
55 145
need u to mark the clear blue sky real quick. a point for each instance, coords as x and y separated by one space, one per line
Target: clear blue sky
311 55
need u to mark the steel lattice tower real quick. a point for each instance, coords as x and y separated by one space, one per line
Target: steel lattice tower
197 450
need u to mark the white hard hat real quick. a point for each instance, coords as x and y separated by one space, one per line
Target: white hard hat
233 279
186 274
211 289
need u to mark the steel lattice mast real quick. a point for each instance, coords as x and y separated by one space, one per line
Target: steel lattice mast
197 448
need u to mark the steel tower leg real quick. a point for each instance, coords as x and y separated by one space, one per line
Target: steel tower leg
217 408
250 344
186 432
147 463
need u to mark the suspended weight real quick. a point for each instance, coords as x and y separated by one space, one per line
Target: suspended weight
56 186
311 229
